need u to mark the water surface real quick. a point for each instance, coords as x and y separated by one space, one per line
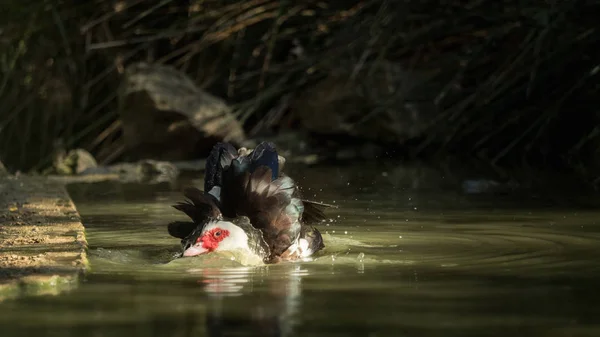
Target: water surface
405 256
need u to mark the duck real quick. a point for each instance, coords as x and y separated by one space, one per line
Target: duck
249 204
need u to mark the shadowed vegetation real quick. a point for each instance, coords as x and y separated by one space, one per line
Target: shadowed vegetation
508 82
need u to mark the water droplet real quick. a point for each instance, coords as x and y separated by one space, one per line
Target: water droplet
332 258
400 237
345 232
361 257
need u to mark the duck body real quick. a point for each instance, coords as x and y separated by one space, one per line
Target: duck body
248 204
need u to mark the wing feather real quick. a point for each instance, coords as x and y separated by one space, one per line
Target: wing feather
250 185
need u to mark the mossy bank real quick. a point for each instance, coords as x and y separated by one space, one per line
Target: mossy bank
42 238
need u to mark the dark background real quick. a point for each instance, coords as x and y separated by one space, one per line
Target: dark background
510 83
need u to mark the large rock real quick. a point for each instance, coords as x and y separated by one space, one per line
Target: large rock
383 103
166 116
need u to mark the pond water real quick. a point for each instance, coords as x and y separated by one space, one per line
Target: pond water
408 254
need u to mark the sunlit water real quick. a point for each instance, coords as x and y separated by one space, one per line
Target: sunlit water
404 257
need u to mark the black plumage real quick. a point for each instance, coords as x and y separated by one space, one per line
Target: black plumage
238 184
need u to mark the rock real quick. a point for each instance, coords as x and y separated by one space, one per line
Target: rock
152 171
144 171
165 116
76 161
387 104
80 160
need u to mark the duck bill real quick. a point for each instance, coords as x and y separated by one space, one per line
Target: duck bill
193 251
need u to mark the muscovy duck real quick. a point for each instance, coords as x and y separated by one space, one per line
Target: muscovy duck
248 204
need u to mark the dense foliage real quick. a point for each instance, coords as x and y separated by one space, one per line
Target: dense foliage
513 80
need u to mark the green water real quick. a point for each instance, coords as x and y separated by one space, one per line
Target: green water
405 256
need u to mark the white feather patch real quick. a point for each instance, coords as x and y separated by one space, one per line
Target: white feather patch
303 246
216 192
300 247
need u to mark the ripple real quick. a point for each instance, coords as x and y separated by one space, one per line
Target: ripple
492 242
512 249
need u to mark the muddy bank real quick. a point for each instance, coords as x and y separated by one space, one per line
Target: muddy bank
42 239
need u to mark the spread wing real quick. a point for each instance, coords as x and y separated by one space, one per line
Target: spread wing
268 203
220 156
250 185
200 207
314 212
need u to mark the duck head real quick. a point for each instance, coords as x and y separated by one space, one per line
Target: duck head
216 236
222 235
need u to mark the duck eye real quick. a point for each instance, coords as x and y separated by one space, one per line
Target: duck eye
218 233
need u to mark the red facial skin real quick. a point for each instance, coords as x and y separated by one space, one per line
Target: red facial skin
211 239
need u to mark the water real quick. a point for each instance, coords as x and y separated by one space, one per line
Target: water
405 256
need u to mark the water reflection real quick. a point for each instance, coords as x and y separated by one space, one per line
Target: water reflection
221 282
271 299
